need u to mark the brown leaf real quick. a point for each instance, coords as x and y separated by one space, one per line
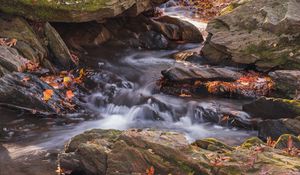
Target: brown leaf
290 143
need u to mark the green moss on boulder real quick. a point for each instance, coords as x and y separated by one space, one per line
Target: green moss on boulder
74 10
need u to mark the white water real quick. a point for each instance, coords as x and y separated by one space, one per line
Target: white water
137 102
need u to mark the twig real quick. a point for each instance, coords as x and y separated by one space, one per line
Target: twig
32 111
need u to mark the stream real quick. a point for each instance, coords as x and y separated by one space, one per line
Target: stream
133 101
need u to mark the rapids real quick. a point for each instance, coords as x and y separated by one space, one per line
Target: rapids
134 101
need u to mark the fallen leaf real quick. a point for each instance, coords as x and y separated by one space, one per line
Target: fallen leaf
11 42
69 94
48 93
270 142
150 171
67 81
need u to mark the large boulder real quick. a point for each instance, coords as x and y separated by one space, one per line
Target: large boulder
273 108
98 152
274 128
75 11
33 41
28 44
183 73
287 83
136 151
264 33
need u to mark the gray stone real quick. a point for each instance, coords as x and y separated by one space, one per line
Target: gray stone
58 47
287 83
11 61
260 32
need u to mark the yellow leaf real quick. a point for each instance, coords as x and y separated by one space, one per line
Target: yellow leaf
67 81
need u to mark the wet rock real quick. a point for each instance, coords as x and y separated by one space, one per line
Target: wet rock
134 151
58 47
181 73
273 108
25 91
153 40
11 61
224 116
287 83
76 11
276 127
264 33
176 29
147 112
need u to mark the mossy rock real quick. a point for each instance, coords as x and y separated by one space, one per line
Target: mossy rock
233 5
253 141
273 108
28 43
212 144
73 10
133 151
261 33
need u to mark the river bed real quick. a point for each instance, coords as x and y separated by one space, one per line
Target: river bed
135 102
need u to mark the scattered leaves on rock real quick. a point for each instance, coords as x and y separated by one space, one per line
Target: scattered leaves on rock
9 42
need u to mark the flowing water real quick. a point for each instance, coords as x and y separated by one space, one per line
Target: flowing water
131 99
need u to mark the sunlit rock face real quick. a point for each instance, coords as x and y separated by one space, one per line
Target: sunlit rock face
137 151
76 10
264 33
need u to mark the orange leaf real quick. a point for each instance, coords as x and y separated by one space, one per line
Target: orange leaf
47 94
150 171
69 94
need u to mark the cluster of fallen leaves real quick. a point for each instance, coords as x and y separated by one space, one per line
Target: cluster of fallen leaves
29 65
206 9
219 160
9 42
290 149
65 80
249 85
